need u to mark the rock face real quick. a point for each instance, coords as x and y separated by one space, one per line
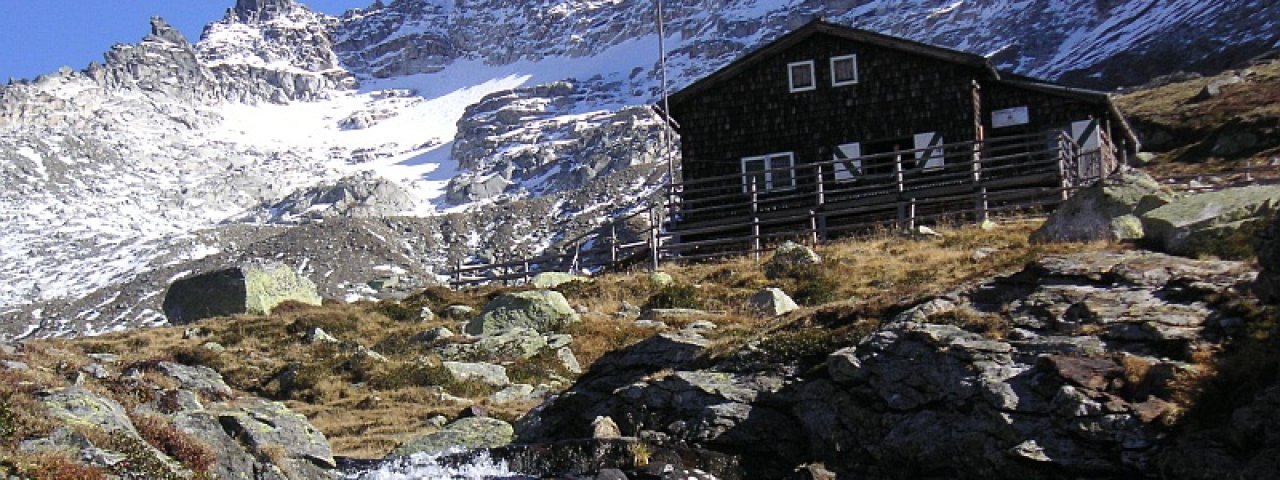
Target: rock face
1219 223
1078 384
542 310
1106 211
245 437
252 288
356 196
1267 247
470 432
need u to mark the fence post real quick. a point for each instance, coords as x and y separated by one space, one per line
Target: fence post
897 175
653 236
911 222
982 205
613 244
526 272
457 271
813 227
755 221
1063 156
819 221
577 250
1248 170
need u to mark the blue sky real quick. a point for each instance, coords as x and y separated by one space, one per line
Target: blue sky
40 36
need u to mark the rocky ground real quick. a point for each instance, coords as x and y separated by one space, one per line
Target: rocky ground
974 354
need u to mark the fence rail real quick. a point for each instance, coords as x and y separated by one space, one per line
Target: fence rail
1007 178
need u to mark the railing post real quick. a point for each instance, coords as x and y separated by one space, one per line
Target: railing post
577 251
897 176
1063 157
982 205
813 227
1248 170
755 221
818 220
911 222
457 271
613 244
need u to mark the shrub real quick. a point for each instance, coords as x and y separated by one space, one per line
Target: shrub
537 369
161 434
398 311
810 345
674 296
410 375
58 466
199 356
335 323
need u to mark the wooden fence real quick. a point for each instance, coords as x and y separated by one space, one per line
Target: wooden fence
716 217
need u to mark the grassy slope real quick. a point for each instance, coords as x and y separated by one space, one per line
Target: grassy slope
366 408
1194 123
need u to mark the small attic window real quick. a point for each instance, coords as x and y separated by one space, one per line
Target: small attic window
844 70
801 77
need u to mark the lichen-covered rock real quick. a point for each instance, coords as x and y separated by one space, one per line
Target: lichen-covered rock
788 258
513 343
271 429
201 379
470 432
1108 210
1221 223
486 373
772 302
546 280
253 288
545 311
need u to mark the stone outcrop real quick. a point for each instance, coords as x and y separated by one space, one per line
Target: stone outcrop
253 288
1221 223
1105 211
1076 380
772 302
364 195
470 432
542 310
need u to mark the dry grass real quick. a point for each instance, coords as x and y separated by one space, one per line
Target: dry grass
160 433
1193 122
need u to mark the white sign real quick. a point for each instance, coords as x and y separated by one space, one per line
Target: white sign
1009 117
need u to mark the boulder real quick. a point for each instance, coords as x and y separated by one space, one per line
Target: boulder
661 279
200 379
1221 223
789 257
255 435
458 312
772 302
519 342
252 288
543 310
547 280
467 433
486 373
1108 210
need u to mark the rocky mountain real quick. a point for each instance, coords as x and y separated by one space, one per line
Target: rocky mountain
170 156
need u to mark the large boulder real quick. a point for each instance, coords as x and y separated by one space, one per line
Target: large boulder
1221 223
470 432
542 310
553 279
1106 211
255 435
772 302
252 288
788 258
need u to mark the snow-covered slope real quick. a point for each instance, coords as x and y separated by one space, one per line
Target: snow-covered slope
171 157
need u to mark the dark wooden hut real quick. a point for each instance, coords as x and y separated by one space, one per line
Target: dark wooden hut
857 126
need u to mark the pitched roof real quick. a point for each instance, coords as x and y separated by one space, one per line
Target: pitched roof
820 26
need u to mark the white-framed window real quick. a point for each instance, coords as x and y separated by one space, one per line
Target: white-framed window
844 70
800 76
769 172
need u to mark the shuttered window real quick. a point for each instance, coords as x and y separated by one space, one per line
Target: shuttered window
801 77
844 70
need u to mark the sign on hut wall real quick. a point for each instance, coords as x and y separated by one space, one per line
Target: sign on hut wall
1010 117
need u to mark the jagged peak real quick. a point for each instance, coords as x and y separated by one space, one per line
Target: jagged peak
250 10
161 30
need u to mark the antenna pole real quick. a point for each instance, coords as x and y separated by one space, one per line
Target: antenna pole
666 106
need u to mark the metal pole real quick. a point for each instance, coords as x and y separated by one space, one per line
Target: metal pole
666 104
653 236
755 221
613 244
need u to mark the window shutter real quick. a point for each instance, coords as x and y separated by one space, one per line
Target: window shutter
1086 135
929 146
848 164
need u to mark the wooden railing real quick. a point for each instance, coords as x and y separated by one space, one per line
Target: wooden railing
1000 178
